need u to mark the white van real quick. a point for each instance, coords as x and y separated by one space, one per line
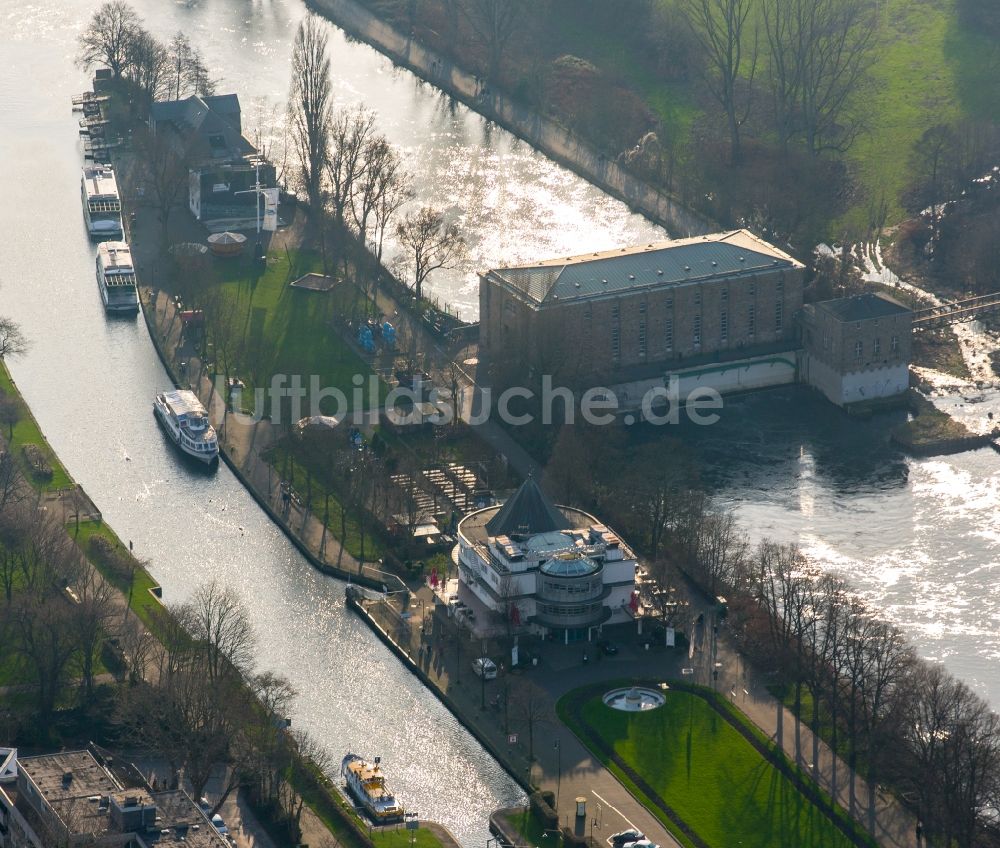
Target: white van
485 667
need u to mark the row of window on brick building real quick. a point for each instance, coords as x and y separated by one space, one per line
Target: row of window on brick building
668 324
859 347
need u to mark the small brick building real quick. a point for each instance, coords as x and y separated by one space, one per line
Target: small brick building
857 348
623 314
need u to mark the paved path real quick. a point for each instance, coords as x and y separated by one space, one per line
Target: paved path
568 769
445 654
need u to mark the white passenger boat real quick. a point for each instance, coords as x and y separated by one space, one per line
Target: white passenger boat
366 786
186 422
116 277
102 206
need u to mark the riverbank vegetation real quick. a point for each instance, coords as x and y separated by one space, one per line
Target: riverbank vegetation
24 440
704 778
901 722
741 126
845 671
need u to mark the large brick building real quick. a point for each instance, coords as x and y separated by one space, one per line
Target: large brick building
627 314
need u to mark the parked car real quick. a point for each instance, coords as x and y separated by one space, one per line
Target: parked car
607 647
220 825
485 667
624 837
641 843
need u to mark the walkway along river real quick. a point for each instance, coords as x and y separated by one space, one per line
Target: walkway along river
930 527
91 380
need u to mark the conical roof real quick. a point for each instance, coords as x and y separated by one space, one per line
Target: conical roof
527 512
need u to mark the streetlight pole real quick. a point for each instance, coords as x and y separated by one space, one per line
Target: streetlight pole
558 770
257 190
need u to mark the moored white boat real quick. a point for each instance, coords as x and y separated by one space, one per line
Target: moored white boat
366 785
116 277
186 422
102 205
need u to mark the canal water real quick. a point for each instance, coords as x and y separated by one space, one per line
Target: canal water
921 538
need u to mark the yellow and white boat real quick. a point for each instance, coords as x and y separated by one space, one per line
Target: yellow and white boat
366 785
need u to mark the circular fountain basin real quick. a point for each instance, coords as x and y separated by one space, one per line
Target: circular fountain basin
634 699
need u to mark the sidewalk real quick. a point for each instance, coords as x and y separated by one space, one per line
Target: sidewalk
444 653
564 766
244 441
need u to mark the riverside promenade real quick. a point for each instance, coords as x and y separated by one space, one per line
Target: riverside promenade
441 653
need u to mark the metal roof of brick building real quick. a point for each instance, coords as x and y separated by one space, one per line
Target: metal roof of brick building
734 254
862 307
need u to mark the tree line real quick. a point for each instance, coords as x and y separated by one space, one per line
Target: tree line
899 720
353 178
116 39
850 675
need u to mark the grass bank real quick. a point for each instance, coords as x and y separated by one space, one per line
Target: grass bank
126 573
264 327
688 758
27 432
931 432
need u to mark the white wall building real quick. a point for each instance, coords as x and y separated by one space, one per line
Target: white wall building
552 568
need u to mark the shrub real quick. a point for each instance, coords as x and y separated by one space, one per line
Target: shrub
542 807
37 462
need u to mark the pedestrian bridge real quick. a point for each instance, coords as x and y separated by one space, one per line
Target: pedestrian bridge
955 311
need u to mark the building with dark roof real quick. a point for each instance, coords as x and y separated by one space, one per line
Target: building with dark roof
221 161
857 348
552 569
69 798
620 315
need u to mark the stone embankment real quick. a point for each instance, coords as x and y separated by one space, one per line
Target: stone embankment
551 138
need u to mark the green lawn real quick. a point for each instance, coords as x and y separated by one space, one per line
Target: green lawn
143 603
288 331
401 837
26 432
711 776
928 69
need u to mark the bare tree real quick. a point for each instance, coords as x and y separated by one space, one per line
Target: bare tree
43 636
138 647
108 37
932 155
219 621
352 132
431 242
955 741
889 666
662 596
719 27
12 489
91 623
495 22
13 342
531 709
722 550
309 105
187 71
10 413
820 55
166 173
147 70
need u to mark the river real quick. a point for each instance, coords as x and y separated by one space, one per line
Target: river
921 538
